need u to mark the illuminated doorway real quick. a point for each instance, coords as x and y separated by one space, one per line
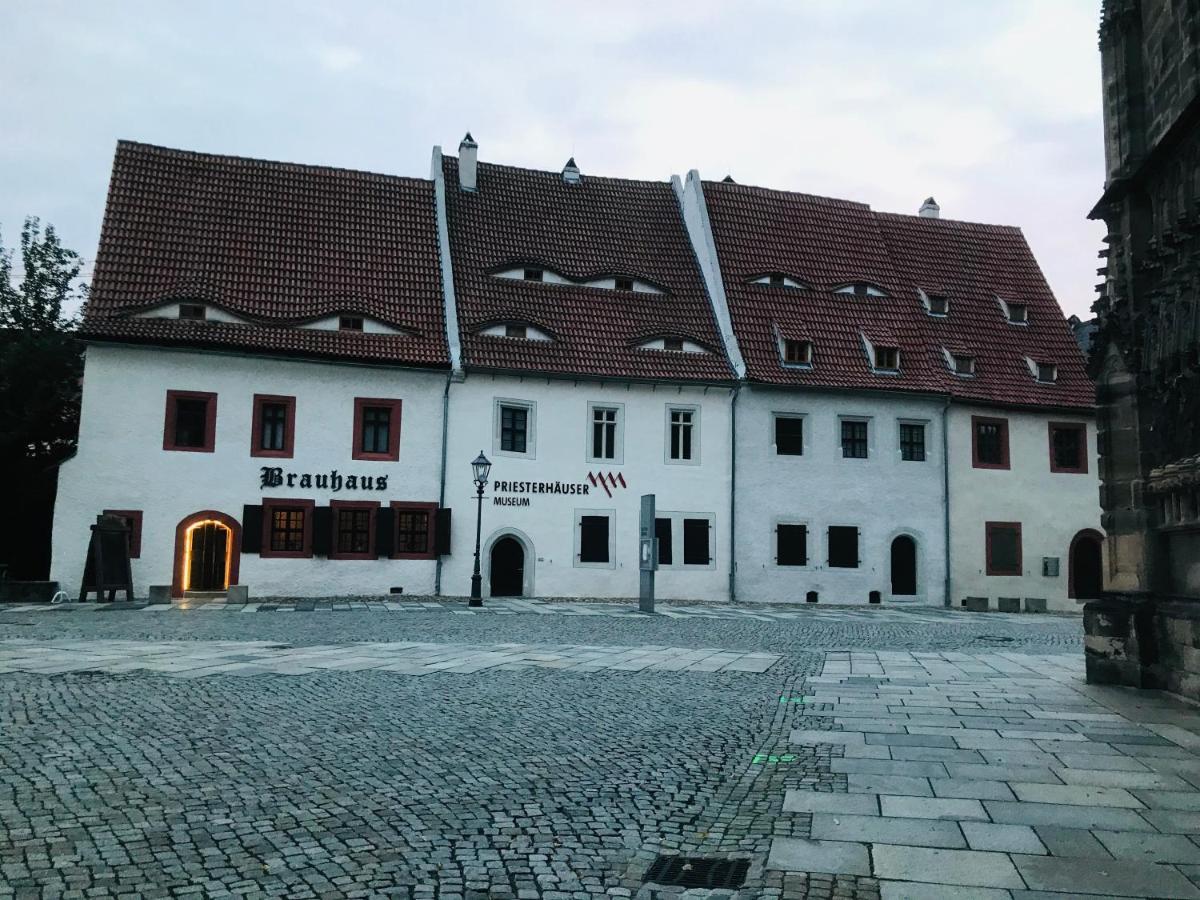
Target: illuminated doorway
208 554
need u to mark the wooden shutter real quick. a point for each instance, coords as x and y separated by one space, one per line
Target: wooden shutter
697 542
385 532
441 539
322 541
252 527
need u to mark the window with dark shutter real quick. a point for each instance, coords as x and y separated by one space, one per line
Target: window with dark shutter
252 517
695 542
1003 548
854 440
912 441
791 545
441 526
662 531
593 539
843 547
789 436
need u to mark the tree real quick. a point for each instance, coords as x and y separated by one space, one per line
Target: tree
41 365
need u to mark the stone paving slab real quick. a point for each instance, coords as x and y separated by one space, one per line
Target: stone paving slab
971 868
1111 878
831 857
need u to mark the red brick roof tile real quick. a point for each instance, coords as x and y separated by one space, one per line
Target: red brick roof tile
825 243
275 243
598 227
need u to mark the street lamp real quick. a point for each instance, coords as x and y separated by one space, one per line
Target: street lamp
481 466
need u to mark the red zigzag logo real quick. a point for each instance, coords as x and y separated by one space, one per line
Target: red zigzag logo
606 480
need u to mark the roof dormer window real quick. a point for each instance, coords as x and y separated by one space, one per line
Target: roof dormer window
961 364
533 274
623 283
779 279
1047 373
673 343
936 304
516 331
194 311
350 323
1015 313
887 359
860 289
797 353
520 331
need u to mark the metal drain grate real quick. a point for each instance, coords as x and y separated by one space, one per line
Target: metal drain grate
698 871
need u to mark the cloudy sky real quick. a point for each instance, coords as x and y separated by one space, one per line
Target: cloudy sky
991 106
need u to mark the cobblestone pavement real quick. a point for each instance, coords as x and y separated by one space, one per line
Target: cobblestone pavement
543 778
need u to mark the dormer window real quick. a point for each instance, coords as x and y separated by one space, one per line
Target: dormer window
887 359
623 283
962 364
797 353
516 331
533 274
350 323
194 311
1046 373
861 289
521 331
673 343
778 279
939 305
1018 313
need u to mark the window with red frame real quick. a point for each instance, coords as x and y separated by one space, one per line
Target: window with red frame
1068 447
413 530
191 421
133 520
989 443
376 429
287 528
353 529
1003 548
274 425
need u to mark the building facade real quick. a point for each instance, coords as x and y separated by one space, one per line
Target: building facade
828 404
1146 349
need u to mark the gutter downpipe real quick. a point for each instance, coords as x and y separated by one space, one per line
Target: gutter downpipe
437 572
946 496
737 388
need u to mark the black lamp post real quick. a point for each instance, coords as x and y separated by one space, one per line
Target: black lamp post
481 467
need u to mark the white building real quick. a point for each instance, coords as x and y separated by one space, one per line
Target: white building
290 369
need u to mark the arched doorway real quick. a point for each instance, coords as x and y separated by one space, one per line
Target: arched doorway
904 566
507 568
1085 572
207 553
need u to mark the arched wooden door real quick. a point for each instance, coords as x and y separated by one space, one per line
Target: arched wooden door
207 552
904 566
507 568
1086 575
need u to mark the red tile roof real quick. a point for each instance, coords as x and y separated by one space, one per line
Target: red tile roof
825 243
598 227
271 242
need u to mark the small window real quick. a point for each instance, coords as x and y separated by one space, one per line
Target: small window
273 426
797 353
623 283
1003 548
989 443
963 365
789 435
695 542
662 531
412 531
681 426
191 421
1047 373
854 440
912 442
533 275
272 433
887 359
791 545
514 428
376 429
593 539
1068 447
1018 313
843 547
861 289
939 305
605 433
194 311
778 279
673 343
516 331
353 531
350 323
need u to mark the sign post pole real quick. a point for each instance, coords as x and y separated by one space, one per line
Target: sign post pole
647 554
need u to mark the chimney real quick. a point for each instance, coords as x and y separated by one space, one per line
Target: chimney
570 172
929 209
468 162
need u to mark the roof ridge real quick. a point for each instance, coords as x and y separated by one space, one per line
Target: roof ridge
557 173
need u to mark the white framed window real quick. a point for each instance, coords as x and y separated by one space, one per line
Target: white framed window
935 304
594 546
787 433
606 433
683 435
791 540
686 540
1042 371
1015 313
514 428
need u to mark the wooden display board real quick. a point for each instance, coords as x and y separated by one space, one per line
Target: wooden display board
107 568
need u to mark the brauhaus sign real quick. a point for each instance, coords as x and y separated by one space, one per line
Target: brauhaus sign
274 476
516 493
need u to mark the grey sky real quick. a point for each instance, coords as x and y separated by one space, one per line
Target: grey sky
992 106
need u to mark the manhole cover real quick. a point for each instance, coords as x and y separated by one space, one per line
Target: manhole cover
698 871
